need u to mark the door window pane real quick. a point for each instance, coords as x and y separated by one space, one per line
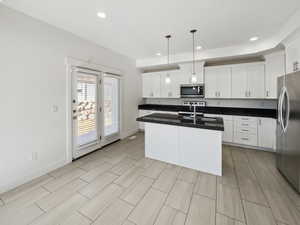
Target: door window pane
111 106
86 109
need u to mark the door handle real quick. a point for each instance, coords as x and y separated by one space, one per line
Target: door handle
287 116
74 117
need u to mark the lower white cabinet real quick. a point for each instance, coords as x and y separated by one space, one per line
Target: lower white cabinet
198 149
245 130
241 130
267 133
228 131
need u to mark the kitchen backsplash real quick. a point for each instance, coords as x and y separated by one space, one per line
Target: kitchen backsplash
243 103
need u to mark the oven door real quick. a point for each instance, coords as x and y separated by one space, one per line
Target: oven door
192 91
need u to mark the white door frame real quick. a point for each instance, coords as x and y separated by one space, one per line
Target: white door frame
70 64
78 151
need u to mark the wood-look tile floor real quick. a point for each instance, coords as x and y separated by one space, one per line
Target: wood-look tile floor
119 186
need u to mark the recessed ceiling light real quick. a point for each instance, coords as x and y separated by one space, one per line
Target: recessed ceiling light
254 38
199 47
158 54
101 15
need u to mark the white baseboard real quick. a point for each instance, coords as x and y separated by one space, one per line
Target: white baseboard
249 147
29 177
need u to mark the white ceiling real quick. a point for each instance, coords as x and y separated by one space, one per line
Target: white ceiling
136 28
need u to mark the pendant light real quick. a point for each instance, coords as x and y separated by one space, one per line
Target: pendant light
194 77
168 78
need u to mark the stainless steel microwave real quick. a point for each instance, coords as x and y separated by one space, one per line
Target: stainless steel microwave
192 91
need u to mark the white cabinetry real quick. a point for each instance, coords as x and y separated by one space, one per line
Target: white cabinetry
274 68
186 70
194 148
151 85
170 84
248 80
217 82
241 130
267 133
245 130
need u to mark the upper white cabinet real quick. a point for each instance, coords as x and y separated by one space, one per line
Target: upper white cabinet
151 85
239 81
170 84
275 67
248 80
217 82
186 70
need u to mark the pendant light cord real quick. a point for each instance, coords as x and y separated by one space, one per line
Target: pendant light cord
168 48
193 33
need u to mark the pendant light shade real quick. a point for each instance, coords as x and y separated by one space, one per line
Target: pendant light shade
194 77
168 78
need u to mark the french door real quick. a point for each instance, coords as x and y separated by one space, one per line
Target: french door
86 106
95 110
111 103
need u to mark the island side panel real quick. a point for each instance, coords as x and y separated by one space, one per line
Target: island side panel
161 142
201 149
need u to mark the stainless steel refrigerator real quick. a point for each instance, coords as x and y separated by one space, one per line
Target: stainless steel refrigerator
288 128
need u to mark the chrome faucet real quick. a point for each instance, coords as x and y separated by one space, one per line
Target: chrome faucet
195 114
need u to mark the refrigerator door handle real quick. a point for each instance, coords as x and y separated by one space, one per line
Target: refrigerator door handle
280 108
287 116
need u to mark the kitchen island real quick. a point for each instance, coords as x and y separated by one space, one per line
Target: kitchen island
184 141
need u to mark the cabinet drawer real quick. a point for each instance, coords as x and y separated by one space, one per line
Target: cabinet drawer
247 130
246 119
245 139
245 122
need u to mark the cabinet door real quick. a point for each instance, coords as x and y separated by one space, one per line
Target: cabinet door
239 82
155 82
166 87
224 82
170 88
147 86
274 68
267 133
186 69
228 131
211 83
176 79
256 81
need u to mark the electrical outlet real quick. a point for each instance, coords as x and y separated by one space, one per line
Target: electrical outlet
33 156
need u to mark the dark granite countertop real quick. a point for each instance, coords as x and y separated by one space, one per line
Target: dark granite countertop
234 111
210 123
